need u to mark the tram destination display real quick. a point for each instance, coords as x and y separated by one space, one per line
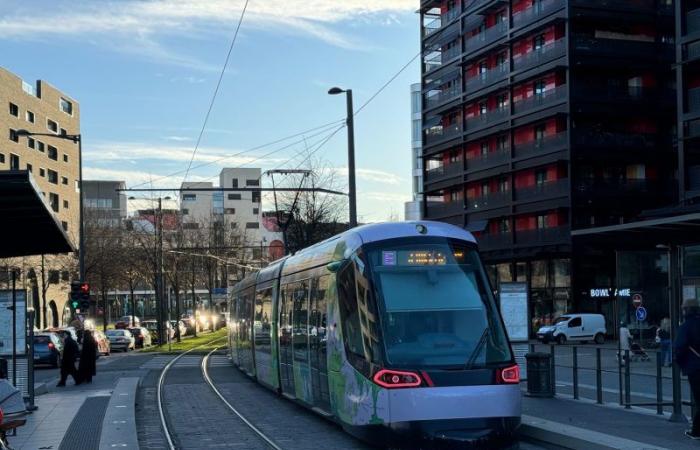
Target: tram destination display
6 322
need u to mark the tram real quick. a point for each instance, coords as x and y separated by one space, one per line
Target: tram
391 330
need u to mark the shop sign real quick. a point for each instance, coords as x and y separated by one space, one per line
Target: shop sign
610 292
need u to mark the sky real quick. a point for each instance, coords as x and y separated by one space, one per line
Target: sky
144 72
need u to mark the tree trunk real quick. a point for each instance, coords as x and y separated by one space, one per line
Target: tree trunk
105 310
133 306
177 310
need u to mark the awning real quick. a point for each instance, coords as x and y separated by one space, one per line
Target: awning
27 224
678 230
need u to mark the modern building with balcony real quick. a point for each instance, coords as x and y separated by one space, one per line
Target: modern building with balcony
413 210
542 117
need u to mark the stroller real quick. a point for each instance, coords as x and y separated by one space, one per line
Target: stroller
637 353
12 411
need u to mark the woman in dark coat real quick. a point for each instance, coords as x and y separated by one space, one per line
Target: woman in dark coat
88 357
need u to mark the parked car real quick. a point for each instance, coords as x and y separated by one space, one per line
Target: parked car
103 346
47 349
121 339
125 322
142 337
190 323
574 327
219 320
179 327
152 326
61 332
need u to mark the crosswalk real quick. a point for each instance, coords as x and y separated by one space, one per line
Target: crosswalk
160 361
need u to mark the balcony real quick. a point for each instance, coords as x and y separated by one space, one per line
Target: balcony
694 100
628 187
432 27
534 147
437 59
490 201
442 133
487 78
494 241
606 140
542 55
443 96
545 98
543 191
542 236
443 172
630 5
486 37
487 118
536 12
491 159
692 21
436 210
615 48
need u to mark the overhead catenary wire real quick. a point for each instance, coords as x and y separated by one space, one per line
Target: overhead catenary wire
216 89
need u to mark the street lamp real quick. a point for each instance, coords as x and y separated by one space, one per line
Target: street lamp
351 153
76 139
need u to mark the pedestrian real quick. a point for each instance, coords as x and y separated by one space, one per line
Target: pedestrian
625 340
687 351
88 358
70 354
663 334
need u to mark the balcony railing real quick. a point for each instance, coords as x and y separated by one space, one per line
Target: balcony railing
544 54
617 47
694 100
491 159
443 96
489 117
542 99
451 15
541 145
442 133
543 191
432 27
605 139
543 235
442 172
437 58
437 210
494 241
495 200
692 21
619 187
635 5
486 78
485 37
536 11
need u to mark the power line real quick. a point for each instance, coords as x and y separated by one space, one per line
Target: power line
385 85
216 90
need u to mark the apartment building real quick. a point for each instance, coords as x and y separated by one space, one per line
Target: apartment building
545 116
413 210
53 161
105 202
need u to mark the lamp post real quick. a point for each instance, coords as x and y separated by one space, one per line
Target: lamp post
352 197
76 139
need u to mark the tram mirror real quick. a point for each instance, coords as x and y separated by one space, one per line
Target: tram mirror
334 266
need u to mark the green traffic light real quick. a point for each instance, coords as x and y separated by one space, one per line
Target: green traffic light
74 304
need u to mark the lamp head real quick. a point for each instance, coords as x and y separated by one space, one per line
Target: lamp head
23 133
335 91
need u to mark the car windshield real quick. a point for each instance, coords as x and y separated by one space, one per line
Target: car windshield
116 333
436 305
561 319
42 339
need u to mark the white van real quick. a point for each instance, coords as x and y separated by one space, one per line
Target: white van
574 327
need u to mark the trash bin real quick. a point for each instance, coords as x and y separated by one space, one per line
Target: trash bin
539 375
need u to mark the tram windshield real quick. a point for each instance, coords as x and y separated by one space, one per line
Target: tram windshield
436 307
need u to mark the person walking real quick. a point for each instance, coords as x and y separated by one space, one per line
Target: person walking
687 351
663 333
70 354
88 358
625 341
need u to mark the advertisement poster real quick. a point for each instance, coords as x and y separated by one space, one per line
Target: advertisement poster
6 322
513 299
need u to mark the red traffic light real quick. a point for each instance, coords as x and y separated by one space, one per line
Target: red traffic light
85 288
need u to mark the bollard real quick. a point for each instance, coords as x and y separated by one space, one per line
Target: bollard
628 388
659 385
598 377
553 370
575 371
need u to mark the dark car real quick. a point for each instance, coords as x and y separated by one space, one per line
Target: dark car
142 336
47 349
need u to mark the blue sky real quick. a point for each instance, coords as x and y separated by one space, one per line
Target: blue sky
144 72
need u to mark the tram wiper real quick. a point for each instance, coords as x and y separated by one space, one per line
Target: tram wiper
477 349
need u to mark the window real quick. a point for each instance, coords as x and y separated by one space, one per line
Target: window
540 176
189 197
252 182
229 210
54 201
484 148
256 211
14 110
53 153
29 167
42 172
65 275
503 185
256 196
234 226
65 204
52 126
575 322
2 158
185 211
40 146
65 158
540 131
483 108
501 60
234 183
53 177
538 42
349 313
63 132
539 87
234 196
502 142
541 222
29 116
14 137
64 224
66 106
502 101
485 189
252 225
191 226
64 181
14 162
483 67
55 275
504 226
31 143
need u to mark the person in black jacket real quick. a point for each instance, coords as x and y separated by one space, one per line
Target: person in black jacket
70 354
687 351
88 357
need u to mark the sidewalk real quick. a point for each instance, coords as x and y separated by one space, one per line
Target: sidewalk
612 421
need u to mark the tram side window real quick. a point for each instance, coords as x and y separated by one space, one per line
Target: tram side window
300 317
262 320
349 313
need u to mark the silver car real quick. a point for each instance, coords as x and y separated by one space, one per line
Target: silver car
121 340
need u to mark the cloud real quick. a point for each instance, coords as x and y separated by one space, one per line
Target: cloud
377 176
177 138
393 197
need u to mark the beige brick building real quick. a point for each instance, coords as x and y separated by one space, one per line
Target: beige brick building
54 164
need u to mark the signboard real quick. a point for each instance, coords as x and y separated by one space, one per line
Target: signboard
6 322
513 301
609 292
637 300
641 314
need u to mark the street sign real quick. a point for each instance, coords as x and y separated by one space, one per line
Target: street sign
637 300
641 314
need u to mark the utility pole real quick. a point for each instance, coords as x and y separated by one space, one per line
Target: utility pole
159 270
350 122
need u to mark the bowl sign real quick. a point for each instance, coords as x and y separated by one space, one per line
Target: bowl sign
637 300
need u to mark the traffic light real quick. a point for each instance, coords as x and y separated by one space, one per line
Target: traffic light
80 295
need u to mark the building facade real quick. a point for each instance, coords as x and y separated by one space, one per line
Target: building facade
53 162
414 208
545 116
105 202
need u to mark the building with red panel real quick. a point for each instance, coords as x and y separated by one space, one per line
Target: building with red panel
545 116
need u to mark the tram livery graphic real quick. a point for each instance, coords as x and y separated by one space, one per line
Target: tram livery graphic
391 330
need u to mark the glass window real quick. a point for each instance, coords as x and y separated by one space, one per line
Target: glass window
29 116
14 162
234 182
540 176
262 324
40 146
256 196
562 272
51 125
52 153
189 197
300 317
234 196
538 42
485 189
31 143
483 108
252 182
539 274
53 176
521 272
14 137
66 106
691 261
575 322
252 225
349 311
14 110
541 221
484 148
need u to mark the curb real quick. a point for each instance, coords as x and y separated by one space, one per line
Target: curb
119 423
571 437
41 388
